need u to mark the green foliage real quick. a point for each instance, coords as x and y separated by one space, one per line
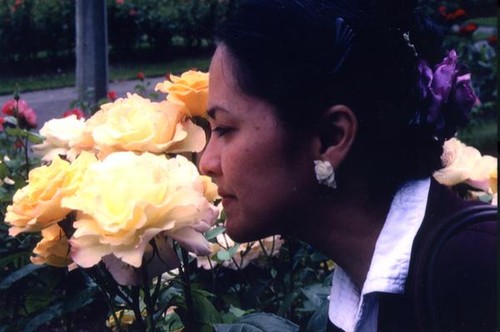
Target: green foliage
30 28
38 32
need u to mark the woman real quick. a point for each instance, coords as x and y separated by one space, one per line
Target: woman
327 124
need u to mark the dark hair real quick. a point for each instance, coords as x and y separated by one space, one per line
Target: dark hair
286 52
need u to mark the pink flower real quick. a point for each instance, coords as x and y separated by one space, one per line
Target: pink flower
25 115
74 111
10 106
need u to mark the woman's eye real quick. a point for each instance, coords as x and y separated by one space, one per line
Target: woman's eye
221 131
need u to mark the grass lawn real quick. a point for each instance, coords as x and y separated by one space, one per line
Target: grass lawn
117 72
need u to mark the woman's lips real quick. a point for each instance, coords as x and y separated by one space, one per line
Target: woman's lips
227 198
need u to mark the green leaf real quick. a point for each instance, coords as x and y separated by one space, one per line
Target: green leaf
316 293
35 138
19 274
236 311
259 322
223 255
4 171
319 320
17 132
204 310
172 322
46 316
212 233
79 299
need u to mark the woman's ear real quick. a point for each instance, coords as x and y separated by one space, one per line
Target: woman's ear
336 134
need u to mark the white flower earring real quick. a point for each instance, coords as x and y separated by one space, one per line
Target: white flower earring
325 173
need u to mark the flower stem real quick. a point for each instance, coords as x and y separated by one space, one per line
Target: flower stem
187 286
136 308
26 157
148 300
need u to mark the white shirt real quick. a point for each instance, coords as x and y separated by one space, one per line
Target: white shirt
352 310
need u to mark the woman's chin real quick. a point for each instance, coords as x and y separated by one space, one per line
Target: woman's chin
240 232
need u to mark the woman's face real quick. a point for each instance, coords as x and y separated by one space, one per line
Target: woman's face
263 173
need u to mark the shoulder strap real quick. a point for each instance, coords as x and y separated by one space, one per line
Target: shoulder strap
426 260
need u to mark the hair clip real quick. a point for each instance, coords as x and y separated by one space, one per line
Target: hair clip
343 42
406 37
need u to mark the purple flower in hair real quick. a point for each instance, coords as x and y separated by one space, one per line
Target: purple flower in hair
447 95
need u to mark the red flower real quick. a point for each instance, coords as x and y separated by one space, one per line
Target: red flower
19 144
25 115
140 75
74 111
492 40
442 10
2 120
112 95
468 28
456 15
460 13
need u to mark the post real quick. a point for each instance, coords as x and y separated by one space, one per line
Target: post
91 50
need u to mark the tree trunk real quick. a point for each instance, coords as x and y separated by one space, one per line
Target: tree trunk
91 51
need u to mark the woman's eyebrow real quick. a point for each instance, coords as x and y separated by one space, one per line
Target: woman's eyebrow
212 111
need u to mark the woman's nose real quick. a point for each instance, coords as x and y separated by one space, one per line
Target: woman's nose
210 160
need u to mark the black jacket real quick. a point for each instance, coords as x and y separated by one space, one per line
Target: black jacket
450 286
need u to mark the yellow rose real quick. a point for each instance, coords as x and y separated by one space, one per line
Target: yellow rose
458 161
189 90
209 188
58 133
138 124
494 181
38 204
125 200
482 172
53 249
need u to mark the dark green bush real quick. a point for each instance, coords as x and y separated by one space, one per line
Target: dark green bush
38 32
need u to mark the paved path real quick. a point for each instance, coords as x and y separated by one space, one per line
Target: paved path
49 104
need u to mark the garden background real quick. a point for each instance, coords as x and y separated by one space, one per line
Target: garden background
150 39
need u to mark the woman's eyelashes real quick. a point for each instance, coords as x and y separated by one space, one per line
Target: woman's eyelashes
221 130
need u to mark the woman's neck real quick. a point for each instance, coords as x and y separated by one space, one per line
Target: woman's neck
346 229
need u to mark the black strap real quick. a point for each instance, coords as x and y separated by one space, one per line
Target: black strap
423 285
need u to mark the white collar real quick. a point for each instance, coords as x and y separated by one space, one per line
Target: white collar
349 308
